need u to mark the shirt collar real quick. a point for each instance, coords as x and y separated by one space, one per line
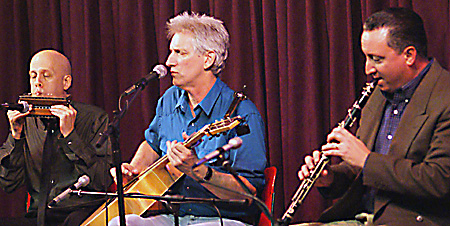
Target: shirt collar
207 103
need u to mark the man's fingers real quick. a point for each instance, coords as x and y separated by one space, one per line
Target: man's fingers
316 156
304 172
309 162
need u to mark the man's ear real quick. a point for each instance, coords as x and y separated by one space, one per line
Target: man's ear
67 82
210 58
410 54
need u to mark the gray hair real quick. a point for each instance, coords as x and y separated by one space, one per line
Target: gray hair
209 35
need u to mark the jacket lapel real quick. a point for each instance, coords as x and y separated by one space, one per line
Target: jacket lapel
415 114
412 120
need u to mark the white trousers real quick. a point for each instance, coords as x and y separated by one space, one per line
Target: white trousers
168 220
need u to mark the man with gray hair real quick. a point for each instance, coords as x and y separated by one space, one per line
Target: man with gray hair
198 51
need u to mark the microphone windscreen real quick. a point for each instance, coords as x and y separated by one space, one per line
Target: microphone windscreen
160 70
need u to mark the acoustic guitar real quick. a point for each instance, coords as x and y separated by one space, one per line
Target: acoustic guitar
156 179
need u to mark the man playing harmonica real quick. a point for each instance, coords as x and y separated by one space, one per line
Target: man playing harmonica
70 146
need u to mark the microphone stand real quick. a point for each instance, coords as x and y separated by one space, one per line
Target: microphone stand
113 132
169 199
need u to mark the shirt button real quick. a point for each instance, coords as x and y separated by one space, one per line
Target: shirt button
419 218
389 137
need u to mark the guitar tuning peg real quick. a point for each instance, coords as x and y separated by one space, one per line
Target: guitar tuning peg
242 129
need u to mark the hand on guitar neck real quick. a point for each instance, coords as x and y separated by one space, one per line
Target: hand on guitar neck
180 156
146 156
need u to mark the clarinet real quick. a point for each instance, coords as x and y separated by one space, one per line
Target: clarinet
353 114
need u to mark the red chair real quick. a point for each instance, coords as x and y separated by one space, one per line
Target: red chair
268 194
28 201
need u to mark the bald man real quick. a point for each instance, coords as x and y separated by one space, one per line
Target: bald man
74 152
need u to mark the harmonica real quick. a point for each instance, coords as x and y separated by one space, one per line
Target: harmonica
42 104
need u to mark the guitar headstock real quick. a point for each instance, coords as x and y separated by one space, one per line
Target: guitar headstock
223 125
213 129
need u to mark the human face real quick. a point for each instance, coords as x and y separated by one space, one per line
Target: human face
383 62
47 78
186 64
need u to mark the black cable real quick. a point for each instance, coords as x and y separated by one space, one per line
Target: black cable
261 205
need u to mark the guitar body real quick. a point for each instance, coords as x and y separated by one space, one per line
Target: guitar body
155 180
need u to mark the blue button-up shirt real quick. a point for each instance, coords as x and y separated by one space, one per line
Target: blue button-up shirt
173 116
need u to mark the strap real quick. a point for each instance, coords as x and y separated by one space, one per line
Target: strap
238 97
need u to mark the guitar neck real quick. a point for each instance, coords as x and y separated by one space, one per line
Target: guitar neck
193 139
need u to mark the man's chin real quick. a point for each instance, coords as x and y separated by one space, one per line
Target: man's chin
176 83
385 88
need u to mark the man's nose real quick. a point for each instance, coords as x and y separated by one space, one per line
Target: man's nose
38 82
370 69
170 60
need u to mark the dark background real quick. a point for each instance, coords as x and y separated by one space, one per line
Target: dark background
300 59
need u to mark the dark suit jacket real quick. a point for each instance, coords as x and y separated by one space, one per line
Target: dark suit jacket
413 179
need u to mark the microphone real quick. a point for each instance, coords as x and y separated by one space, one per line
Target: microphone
23 107
232 144
82 182
159 71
